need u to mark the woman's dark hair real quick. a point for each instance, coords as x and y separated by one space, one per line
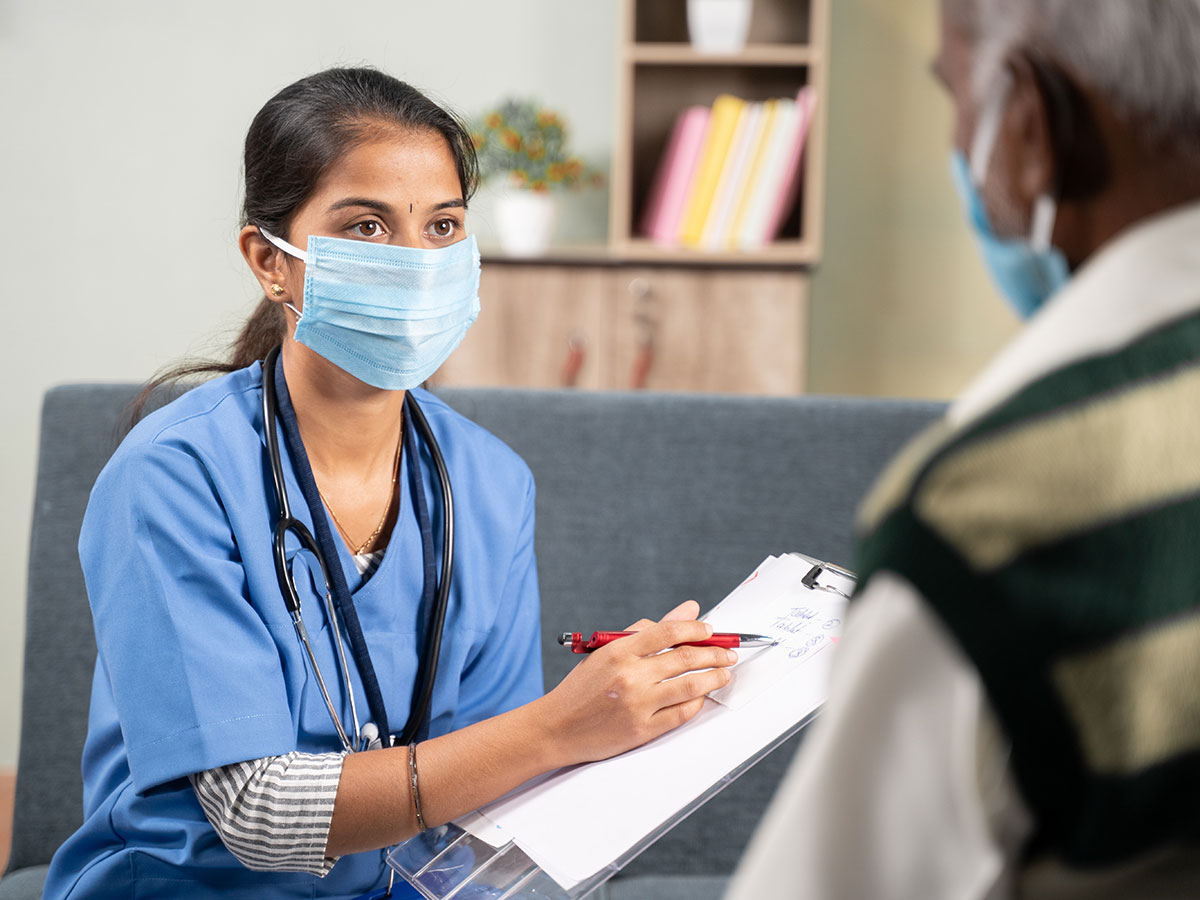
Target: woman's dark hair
293 140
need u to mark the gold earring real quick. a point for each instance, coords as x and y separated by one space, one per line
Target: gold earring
276 290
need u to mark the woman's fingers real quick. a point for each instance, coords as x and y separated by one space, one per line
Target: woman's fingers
685 611
673 716
693 686
688 695
660 635
681 660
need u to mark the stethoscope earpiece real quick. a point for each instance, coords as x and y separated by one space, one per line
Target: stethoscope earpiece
370 737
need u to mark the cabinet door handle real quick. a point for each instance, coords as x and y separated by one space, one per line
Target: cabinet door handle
576 356
645 325
643 362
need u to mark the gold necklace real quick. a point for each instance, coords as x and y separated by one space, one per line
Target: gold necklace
386 509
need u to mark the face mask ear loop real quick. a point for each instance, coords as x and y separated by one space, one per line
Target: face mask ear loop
988 128
1044 212
283 245
290 250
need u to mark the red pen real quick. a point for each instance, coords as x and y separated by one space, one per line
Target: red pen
575 641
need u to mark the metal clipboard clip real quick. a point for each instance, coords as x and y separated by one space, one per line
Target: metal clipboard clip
813 579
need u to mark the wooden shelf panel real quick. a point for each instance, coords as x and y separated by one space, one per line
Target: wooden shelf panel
678 54
778 253
787 253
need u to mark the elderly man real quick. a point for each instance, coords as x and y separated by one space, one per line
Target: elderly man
1016 706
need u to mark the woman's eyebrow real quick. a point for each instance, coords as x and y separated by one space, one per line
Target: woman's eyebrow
377 205
457 203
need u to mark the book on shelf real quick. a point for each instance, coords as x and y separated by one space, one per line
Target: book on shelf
760 200
669 189
725 113
729 176
753 172
783 191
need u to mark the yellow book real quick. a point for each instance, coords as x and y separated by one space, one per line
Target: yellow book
766 127
725 112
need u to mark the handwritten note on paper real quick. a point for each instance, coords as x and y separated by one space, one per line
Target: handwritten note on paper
774 601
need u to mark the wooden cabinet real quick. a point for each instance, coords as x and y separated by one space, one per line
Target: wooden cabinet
717 330
605 327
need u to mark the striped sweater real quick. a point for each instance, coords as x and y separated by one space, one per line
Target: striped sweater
1056 537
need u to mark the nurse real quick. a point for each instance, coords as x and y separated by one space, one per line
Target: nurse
212 766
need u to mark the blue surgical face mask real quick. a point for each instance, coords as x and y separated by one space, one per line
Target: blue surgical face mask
1026 270
388 315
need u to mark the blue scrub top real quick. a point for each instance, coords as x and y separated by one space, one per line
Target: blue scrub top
199 666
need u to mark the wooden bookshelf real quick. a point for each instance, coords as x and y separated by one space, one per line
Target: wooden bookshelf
633 314
659 74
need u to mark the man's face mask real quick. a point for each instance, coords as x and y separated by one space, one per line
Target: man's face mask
1026 270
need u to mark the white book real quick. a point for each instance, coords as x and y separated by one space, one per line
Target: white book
764 193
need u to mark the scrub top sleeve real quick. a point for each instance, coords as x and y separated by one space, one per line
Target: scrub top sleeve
194 674
507 672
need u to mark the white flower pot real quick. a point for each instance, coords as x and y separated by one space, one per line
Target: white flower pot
718 26
525 221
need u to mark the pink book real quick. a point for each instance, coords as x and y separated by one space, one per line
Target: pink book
805 101
669 189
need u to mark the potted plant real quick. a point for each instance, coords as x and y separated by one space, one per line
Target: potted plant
523 146
718 26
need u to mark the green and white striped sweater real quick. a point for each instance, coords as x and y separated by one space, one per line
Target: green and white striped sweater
1058 539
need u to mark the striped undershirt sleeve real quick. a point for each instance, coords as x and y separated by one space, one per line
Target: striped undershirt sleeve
274 813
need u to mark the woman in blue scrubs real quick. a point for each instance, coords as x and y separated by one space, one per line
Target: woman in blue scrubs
212 766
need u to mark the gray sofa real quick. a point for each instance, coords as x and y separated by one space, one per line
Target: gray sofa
643 501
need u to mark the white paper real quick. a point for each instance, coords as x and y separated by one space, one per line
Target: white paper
584 818
772 601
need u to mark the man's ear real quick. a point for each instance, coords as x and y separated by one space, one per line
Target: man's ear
1028 134
269 265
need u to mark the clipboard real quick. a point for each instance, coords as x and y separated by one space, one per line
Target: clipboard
456 861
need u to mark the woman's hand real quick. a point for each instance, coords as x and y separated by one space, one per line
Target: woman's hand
619 697
630 691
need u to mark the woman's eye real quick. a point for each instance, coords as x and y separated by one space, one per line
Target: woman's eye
444 228
368 229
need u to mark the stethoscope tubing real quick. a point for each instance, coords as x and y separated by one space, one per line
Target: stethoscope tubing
287 522
423 690
430 657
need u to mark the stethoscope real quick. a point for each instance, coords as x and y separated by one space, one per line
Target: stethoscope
435 594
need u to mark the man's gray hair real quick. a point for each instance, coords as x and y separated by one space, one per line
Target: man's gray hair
1141 57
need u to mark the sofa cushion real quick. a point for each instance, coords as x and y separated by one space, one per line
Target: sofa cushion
24 884
664 887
